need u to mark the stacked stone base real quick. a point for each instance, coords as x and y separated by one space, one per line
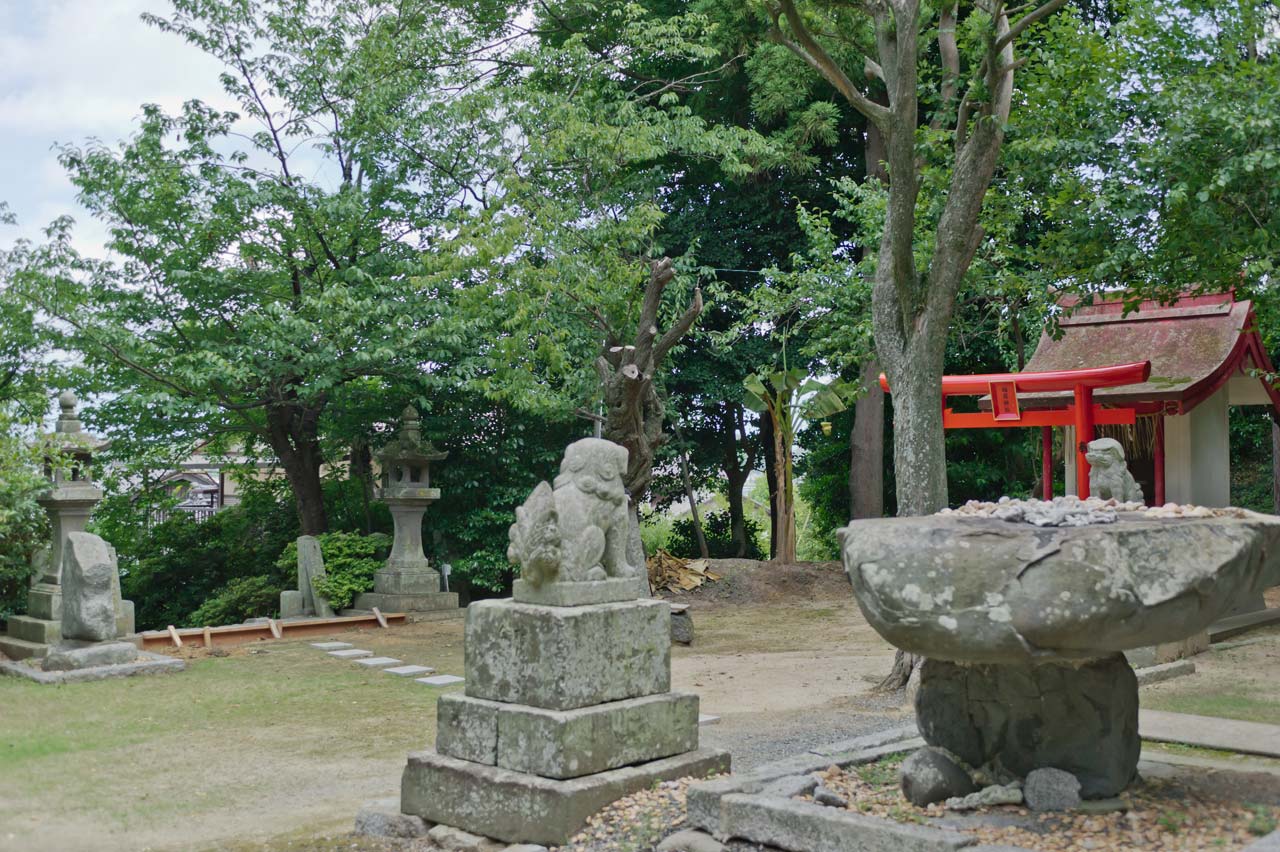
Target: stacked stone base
1080 718
518 807
567 708
406 591
30 636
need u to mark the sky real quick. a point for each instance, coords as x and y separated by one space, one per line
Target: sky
71 70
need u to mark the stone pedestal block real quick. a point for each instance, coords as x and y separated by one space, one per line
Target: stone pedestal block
563 658
291 604
125 623
612 590
406 603
34 629
1081 719
570 743
517 807
45 601
406 582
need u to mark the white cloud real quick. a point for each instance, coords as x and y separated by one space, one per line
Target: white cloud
74 69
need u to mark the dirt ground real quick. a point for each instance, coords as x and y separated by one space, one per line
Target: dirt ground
276 745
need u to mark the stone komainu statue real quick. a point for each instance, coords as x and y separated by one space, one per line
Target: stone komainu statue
576 531
1109 477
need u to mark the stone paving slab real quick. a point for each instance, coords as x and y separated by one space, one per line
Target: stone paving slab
408 671
331 646
378 662
350 653
798 825
439 680
705 719
1210 732
1164 671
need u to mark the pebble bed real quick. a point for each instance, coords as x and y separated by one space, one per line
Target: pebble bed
1156 814
1070 511
636 822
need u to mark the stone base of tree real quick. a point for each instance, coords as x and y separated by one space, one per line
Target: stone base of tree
517 807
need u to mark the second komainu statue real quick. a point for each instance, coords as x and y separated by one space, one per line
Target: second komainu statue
577 530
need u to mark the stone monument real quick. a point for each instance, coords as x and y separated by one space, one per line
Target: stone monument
568 703
304 602
88 626
407 583
68 503
1024 609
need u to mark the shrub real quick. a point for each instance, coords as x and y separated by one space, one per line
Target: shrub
350 561
718 529
242 598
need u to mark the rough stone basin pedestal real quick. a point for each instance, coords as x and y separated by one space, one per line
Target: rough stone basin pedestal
1023 610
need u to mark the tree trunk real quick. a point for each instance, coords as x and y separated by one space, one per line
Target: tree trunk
736 472
771 480
784 509
694 515
293 435
1275 468
866 448
634 412
361 471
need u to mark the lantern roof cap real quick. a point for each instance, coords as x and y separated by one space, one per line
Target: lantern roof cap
408 445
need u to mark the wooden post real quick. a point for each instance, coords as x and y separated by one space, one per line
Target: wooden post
173 635
1046 460
382 619
1159 459
208 638
275 628
1084 434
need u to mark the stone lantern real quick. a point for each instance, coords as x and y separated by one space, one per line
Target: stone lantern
68 502
407 582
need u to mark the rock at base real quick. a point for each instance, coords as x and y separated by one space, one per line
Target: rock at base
88 575
520 808
690 840
291 604
69 655
996 794
383 819
1050 789
452 839
931 775
681 626
1081 719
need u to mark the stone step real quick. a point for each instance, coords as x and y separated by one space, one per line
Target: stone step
350 653
20 649
409 671
439 680
331 646
1210 732
378 662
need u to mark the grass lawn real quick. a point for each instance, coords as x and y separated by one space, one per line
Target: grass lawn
248 746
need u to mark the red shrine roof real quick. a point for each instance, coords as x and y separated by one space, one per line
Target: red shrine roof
1195 345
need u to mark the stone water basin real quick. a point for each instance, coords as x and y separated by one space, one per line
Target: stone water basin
973 588
1022 610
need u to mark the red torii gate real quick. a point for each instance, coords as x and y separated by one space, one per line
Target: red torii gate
1081 412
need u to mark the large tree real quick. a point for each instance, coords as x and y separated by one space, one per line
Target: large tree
955 98
264 260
